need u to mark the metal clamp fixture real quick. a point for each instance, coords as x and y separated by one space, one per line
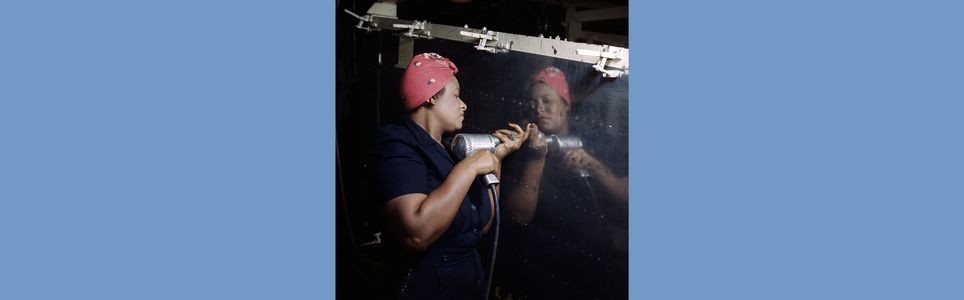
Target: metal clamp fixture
415 30
484 37
378 10
600 66
362 21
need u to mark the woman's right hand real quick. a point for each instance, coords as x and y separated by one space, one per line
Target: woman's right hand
483 162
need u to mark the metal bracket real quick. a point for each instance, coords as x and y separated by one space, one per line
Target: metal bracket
600 66
415 26
384 9
378 240
362 20
484 37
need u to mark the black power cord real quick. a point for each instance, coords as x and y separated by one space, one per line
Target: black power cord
495 241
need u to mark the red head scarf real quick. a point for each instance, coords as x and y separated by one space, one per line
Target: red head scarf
425 75
554 78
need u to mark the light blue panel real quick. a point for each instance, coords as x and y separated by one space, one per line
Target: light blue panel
166 150
796 150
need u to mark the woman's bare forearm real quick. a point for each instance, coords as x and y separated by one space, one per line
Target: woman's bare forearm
523 199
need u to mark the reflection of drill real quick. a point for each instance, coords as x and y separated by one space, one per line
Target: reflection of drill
562 144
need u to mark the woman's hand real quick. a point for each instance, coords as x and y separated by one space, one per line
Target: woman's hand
616 186
579 159
538 147
511 139
483 162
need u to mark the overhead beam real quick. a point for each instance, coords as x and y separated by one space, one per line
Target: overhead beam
551 47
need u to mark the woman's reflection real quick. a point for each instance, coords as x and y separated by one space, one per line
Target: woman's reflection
560 203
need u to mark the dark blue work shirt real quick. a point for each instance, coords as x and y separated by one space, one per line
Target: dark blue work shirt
407 160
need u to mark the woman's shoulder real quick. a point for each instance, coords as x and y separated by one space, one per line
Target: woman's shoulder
394 132
391 137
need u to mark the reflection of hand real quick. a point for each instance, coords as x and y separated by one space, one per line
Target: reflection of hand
511 140
579 159
537 142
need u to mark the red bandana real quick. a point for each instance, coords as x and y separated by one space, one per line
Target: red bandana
425 75
554 78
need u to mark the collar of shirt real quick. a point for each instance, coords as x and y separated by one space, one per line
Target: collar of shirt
426 140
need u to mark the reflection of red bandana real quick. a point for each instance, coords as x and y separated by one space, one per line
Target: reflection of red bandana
554 78
425 75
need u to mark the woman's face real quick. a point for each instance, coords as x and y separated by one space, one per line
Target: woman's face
449 108
551 112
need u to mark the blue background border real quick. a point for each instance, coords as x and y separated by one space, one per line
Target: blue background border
167 150
184 150
796 150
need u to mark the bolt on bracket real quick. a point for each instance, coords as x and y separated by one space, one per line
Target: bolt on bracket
484 37
415 30
600 66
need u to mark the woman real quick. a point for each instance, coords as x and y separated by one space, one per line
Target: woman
558 209
435 206
551 103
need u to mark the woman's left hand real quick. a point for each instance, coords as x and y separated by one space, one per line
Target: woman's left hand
511 140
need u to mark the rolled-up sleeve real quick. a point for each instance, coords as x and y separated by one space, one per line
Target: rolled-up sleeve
399 170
